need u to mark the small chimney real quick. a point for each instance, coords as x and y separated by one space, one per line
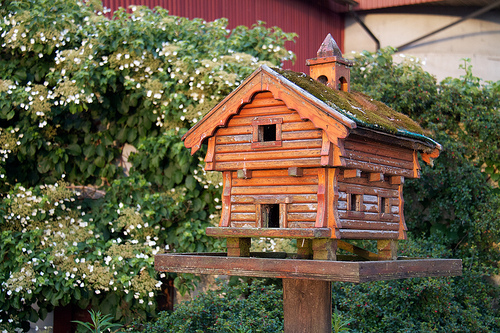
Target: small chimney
330 67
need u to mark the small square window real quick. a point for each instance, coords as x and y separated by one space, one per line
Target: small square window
384 205
271 216
355 202
266 132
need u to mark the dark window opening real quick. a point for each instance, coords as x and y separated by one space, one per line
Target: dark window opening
385 206
343 84
271 216
355 202
323 79
268 132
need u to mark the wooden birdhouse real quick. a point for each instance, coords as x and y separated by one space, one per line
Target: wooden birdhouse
304 157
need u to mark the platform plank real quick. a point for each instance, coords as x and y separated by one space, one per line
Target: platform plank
345 271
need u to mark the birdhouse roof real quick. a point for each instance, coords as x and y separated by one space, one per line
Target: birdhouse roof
336 112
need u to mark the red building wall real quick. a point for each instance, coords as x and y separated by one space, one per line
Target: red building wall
309 20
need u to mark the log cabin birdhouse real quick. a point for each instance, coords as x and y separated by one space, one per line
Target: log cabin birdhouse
305 157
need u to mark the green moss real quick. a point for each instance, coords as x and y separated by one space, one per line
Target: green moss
361 108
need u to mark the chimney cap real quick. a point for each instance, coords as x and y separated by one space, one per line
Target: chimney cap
329 48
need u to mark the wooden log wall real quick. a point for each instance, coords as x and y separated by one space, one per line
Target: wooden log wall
300 147
373 217
368 155
298 195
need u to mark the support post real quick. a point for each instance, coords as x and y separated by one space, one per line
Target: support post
324 249
238 247
307 306
304 248
387 249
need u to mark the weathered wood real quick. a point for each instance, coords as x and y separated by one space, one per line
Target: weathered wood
271 232
277 173
284 215
296 189
367 216
370 190
275 198
276 181
301 224
269 164
304 249
357 143
371 167
352 173
364 181
375 159
312 217
387 249
244 157
376 177
242 216
327 270
307 306
368 234
326 151
397 180
238 247
324 249
209 158
285 145
321 217
369 225
402 222
226 200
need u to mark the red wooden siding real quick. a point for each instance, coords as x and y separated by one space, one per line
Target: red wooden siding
310 21
301 140
297 194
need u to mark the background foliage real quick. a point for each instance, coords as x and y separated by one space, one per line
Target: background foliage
77 90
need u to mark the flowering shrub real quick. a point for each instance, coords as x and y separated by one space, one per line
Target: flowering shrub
77 89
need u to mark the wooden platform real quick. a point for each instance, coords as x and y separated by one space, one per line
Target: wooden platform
286 268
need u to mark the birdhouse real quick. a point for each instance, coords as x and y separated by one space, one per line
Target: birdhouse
304 157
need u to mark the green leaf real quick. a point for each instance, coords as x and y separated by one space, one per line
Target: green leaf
74 149
190 183
100 161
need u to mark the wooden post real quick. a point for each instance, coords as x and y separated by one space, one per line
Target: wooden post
307 306
304 248
324 249
387 249
238 247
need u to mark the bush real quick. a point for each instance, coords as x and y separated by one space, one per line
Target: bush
243 307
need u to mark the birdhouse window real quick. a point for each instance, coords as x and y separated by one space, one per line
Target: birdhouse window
354 202
271 216
384 205
266 132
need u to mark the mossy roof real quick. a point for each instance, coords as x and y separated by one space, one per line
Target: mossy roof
362 109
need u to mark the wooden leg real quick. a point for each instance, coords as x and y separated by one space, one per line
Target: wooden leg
304 249
387 249
324 249
238 247
307 306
